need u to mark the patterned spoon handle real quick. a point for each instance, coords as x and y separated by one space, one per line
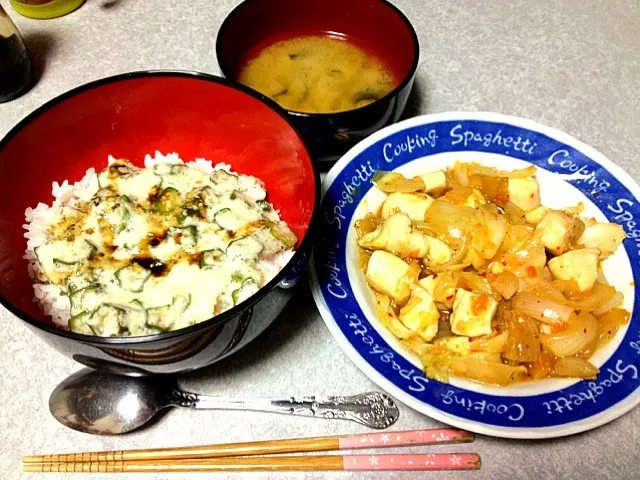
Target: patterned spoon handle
373 409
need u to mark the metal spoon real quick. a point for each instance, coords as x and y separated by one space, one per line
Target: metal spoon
103 403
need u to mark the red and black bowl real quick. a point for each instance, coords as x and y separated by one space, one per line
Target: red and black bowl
376 25
129 116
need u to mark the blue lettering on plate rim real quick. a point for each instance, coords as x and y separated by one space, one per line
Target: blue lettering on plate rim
619 376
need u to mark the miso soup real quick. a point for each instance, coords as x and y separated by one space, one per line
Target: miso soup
318 74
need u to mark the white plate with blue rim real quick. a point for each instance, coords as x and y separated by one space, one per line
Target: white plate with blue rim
569 172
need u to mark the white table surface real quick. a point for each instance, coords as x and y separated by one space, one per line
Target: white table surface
571 64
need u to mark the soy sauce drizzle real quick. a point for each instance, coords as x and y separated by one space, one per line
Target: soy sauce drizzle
156 267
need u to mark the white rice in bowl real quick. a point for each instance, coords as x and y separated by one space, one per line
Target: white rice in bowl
121 303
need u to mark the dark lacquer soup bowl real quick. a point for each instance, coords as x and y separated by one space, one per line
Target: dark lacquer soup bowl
128 116
376 25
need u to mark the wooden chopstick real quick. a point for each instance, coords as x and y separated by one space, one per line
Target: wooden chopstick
436 461
293 445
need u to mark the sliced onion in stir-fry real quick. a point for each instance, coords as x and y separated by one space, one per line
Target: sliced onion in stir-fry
505 284
542 288
385 313
367 224
456 262
461 173
602 298
412 275
575 367
580 332
422 227
489 357
446 287
615 301
475 283
545 274
491 344
610 322
569 288
475 169
492 373
444 326
517 238
494 188
363 258
514 214
448 221
416 344
390 182
457 195
543 368
601 277
523 344
542 308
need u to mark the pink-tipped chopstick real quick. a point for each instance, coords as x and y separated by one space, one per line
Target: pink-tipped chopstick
268 447
435 461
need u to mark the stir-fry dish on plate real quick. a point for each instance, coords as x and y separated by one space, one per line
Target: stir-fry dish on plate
135 251
481 281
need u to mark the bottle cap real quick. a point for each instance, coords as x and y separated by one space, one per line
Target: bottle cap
51 9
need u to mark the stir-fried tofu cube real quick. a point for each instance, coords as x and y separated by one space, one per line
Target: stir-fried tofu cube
472 313
429 283
419 245
395 235
439 252
420 314
434 180
394 229
606 237
413 204
385 274
556 231
536 215
580 265
524 193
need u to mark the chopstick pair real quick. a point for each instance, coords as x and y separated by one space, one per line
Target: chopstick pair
245 456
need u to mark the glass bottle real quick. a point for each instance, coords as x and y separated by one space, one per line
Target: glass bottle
16 71
43 9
